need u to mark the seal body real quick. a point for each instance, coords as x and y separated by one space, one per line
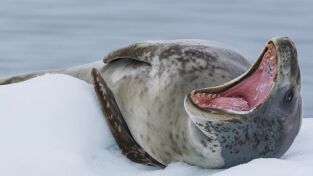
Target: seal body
150 94
143 88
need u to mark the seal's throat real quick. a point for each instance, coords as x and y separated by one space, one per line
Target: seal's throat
247 93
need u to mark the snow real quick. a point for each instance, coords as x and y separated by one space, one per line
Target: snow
53 125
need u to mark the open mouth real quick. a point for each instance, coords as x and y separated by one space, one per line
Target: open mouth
244 94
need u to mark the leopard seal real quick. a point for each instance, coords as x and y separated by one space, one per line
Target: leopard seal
197 102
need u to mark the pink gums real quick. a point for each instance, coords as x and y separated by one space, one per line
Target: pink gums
249 92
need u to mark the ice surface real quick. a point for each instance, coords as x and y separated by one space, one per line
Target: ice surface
53 125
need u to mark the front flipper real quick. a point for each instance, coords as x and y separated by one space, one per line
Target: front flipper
117 124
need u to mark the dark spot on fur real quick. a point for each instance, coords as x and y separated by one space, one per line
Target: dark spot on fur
176 150
177 136
199 124
171 137
167 153
204 144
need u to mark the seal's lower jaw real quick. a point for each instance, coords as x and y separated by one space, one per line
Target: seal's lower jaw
244 93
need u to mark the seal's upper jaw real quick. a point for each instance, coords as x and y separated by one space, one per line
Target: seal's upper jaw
245 93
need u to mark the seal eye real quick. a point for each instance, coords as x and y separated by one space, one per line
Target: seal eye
289 95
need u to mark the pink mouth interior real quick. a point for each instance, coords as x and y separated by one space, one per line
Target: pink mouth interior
249 92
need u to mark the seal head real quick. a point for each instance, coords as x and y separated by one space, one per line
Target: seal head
257 114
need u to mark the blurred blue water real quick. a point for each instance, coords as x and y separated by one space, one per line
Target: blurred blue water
42 34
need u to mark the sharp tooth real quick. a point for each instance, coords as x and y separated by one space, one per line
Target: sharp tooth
209 96
214 95
193 92
213 106
263 64
270 46
267 55
219 107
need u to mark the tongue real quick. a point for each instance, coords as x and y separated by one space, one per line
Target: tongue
234 103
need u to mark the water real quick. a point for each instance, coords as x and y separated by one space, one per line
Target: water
43 34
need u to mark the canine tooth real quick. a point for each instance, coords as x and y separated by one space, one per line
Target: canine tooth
267 55
263 64
214 96
270 46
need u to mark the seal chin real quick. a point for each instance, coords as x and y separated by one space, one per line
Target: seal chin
243 94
